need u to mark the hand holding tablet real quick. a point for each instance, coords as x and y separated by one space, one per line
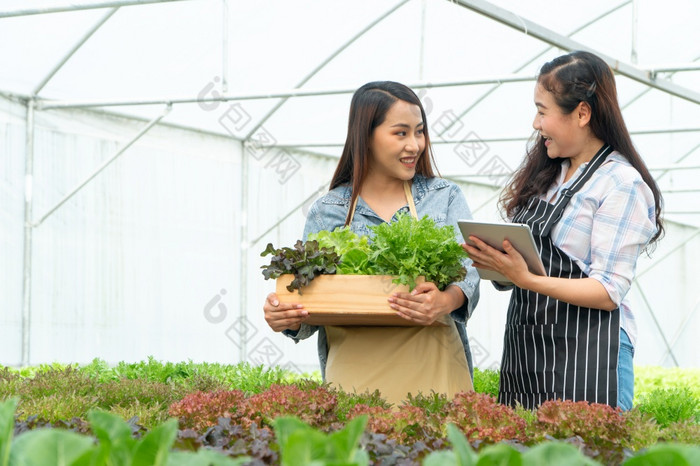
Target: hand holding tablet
494 234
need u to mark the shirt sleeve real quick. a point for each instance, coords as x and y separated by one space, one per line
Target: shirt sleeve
458 209
502 287
314 220
622 226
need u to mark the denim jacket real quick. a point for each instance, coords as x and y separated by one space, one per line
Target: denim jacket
438 198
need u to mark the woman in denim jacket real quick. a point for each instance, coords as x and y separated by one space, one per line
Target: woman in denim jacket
385 170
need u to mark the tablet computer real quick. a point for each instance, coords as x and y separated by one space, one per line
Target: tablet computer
493 234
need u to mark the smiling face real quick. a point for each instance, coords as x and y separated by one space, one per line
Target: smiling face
562 133
398 143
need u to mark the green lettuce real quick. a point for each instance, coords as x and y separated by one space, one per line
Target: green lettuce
354 250
405 249
409 248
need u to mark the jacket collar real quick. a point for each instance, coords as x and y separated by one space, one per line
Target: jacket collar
420 187
341 196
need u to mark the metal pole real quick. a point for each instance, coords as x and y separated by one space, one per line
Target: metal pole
664 131
489 200
443 141
476 175
633 55
104 165
672 68
492 139
683 327
681 190
675 167
527 63
15 97
320 189
549 36
72 51
667 254
224 47
648 89
680 159
27 260
243 265
282 94
74 7
658 327
321 65
421 59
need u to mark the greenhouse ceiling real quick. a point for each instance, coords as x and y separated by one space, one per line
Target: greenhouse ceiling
282 72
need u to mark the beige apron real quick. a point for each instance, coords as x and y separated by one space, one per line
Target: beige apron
398 360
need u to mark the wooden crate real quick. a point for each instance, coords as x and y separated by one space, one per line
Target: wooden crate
346 300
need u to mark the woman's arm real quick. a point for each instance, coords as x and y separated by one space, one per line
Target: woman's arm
458 209
617 228
289 318
426 303
621 226
586 292
283 316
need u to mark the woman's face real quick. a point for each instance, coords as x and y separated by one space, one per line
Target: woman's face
562 133
398 143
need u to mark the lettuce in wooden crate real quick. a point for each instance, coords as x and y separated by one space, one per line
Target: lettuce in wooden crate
354 250
409 248
405 249
305 261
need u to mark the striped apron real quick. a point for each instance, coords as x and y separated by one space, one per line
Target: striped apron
552 349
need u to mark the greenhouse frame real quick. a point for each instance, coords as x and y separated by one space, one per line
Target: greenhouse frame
151 149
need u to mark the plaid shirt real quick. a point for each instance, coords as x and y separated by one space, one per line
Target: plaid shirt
606 226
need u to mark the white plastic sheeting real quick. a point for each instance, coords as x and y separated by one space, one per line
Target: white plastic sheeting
159 254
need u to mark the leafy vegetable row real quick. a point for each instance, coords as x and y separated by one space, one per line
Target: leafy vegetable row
298 444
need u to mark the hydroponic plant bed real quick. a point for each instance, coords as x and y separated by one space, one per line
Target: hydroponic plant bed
234 410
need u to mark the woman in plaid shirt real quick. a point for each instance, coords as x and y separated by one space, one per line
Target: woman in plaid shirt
593 208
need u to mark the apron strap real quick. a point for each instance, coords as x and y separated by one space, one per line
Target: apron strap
409 199
567 193
352 212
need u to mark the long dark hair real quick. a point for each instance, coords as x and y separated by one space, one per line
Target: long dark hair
574 78
368 108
